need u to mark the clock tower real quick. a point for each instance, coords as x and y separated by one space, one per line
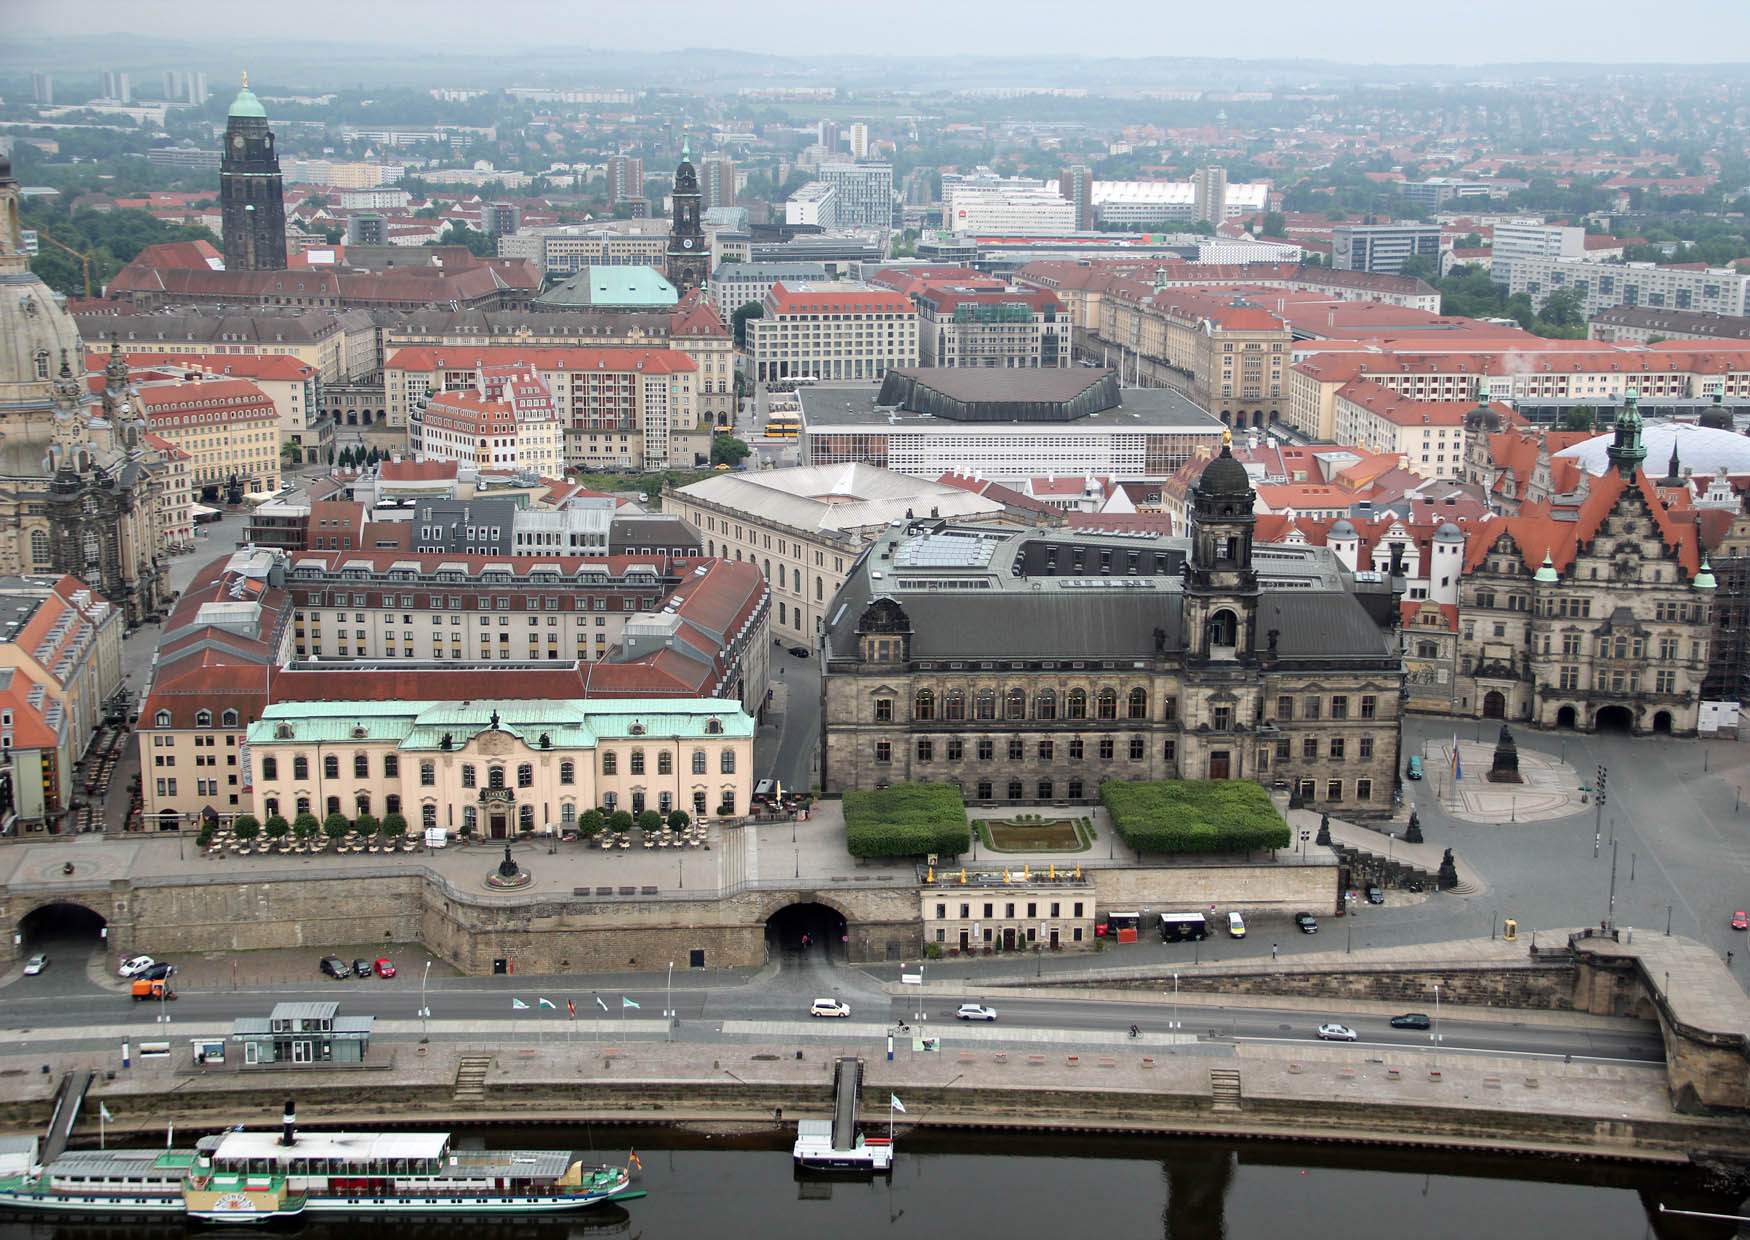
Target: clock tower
689 260
251 196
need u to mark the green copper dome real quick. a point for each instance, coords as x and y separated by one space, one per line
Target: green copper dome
1704 580
246 104
1546 572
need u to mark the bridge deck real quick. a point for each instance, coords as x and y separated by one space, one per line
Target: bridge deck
844 1115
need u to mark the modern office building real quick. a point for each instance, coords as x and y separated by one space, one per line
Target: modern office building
1157 202
1209 195
1019 210
813 205
864 193
566 249
734 285
1383 247
1641 324
1076 186
717 181
1007 425
1522 239
625 178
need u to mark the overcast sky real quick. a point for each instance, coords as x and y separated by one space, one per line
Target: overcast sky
1368 31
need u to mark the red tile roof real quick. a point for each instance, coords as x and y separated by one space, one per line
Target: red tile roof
467 357
416 471
840 301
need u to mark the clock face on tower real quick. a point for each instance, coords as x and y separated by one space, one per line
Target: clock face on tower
687 242
237 141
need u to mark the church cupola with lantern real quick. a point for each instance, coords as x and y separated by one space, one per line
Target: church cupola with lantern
1221 587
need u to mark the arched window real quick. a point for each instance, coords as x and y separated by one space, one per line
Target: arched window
330 766
1045 705
391 766
334 805
203 718
984 704
1136 706
1075 706
270 768
303 805
1106 704
698 761
363 801
610 763
954 705
228 719
300 767
282 731
714 727
392 804
495 776
727 763
470 817
924 705
665 763
568 772
1224 628
637 766
39 547
272 806
1015 704
525 818
361 766
161 719
568 814
428 815
428 774
525 775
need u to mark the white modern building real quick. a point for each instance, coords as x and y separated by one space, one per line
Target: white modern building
1604 285
865 193
1148 202
1029 210
1532 239
814 204
1383 247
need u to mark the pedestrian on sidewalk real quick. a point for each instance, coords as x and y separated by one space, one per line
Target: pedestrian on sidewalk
1272 951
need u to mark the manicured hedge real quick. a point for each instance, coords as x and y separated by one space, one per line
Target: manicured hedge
908 820
1194 815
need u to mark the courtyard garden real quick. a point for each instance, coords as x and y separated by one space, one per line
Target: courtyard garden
1033 833
907 820
1194 815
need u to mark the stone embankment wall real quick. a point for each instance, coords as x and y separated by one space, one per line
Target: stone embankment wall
1541 986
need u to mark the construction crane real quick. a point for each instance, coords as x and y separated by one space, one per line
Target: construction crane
84 259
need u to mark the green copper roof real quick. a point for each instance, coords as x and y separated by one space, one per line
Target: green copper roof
686 150
639 287
567 722
246 104
1704 580
1546 573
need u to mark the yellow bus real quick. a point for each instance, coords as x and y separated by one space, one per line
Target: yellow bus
783 425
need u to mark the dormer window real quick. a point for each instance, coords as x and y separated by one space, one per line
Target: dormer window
161 719
714 727
229 719
636 729
282 731
203 718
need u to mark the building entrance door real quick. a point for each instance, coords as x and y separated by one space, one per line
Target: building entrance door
300 1051
1219 765
1008 938
500 826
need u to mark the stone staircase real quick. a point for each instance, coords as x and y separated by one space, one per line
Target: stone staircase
1224 1089
471 1078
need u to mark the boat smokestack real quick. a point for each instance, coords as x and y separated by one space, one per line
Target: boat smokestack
289 1125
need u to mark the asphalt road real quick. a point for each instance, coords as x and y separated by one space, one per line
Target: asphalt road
58 1003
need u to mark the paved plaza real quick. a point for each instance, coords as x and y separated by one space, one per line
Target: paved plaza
1549 787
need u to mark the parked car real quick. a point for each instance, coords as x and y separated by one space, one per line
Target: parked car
1414 770
385 967
975 1011
1307 922
36 964
157 972
829 1007
801 652
334 966
136 965
1411 1020
1375 896
362 968
1236 926
1334 1032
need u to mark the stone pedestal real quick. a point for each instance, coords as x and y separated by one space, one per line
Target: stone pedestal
1505 768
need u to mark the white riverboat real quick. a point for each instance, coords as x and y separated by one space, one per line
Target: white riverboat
255 1177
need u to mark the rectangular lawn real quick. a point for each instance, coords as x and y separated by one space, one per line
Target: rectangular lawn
1194 815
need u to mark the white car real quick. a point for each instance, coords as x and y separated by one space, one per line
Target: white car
829 1007
975 1011
136 966
1336 1033
36 964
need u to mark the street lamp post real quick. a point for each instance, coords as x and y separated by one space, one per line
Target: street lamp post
1435 1036
668 1004
424 1011
1176 1022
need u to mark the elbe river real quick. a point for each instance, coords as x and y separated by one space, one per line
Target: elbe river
970 1186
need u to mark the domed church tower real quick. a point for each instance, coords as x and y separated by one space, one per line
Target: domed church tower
1221 587
252 199
689 259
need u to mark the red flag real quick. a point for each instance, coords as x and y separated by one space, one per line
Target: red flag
571 1008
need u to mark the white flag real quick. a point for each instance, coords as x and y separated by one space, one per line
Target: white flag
104 1111
547 1003
598 1002
894 1102
517 1005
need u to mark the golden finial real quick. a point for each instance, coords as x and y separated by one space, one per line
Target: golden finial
1227 437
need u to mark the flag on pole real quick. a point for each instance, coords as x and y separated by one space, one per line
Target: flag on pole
104 1112
1457 762
598 1002
517 1005
894 1102
571 1008
626 1003
633 1161
547 1003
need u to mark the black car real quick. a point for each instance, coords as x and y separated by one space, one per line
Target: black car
334 966
1375 896
1307 922
801 652
157 972
1411 1020
363 968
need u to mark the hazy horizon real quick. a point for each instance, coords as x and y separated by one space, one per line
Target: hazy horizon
1361 32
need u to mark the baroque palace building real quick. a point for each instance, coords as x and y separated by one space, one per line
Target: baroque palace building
1601 621
1028 666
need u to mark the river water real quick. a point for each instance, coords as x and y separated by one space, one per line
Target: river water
970 1186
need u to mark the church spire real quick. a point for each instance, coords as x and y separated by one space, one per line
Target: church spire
1627 452
1672 477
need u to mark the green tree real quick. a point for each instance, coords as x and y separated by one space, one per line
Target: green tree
478 243
726 449
277 828
1580 418
619 822
679 820
738 321
394 826
305 825
590 822
1564 308
649 821
335 826
1275 224
366 825
247 827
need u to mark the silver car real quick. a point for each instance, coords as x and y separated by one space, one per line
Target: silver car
1334 1032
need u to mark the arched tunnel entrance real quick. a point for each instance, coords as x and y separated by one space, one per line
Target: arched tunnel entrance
809 931
70 929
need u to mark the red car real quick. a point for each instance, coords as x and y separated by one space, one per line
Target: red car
384 967
1741 920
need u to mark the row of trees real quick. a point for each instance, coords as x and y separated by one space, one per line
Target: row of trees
393 827
110 239
357 456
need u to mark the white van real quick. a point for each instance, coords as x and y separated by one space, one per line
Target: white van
1236 926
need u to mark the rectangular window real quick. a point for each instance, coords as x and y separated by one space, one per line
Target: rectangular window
1364 790
1284 709
926 750
1046 750
884 751
1312 708
956 750
1369 706
1337 748
1309 748
1339 707
1170 750
986 750
1334 790
1366 751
